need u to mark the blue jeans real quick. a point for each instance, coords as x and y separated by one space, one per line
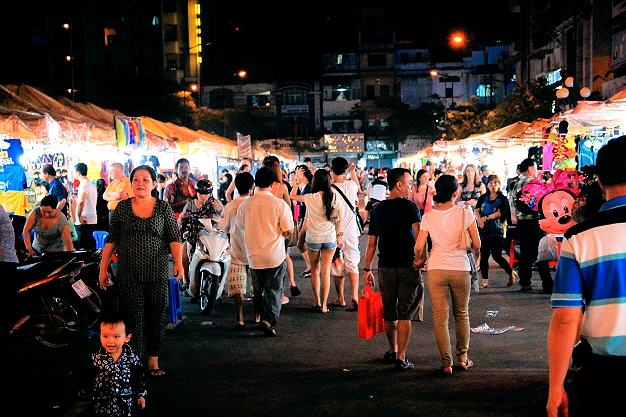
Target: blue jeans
268 292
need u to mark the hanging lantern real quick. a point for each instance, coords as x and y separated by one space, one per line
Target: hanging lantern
585 92
569 82
562 93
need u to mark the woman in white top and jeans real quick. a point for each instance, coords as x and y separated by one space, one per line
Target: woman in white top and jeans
323 218
449 270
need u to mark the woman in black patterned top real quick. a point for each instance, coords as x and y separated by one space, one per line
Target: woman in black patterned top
143 231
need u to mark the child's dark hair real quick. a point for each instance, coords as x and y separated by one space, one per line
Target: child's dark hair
112 318
446 186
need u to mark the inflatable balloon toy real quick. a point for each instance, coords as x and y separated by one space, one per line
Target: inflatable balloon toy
555 214
529 197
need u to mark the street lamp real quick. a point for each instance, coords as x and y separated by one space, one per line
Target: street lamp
70 57
562 93
458 40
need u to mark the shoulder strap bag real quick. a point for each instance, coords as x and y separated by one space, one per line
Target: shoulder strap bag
359 219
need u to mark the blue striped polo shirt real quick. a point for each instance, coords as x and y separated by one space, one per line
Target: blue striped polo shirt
592 273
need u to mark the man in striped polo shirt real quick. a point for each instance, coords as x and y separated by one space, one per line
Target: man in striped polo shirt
589 299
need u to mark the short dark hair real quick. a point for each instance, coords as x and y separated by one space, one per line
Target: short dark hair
113 318
182 161
307 159
244 182
145 168
49 169
81 168
446 185
161 178
339 165
49 201
526 163
610 162
264 177
394 175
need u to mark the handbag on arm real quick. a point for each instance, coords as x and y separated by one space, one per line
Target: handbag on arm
466 240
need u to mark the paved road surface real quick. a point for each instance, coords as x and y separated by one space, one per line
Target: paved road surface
317 366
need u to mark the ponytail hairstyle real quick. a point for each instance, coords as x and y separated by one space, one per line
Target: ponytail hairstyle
446 186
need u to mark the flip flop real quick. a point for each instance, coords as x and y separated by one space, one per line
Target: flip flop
156 373
268 331
336 304
355 306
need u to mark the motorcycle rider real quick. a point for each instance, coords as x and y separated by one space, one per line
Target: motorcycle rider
207 207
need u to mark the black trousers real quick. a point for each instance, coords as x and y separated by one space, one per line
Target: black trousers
598 393
528 235
85 236
492 246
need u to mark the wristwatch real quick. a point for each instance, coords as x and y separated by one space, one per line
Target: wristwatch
340 234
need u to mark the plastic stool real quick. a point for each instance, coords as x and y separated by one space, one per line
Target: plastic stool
174 307
100 237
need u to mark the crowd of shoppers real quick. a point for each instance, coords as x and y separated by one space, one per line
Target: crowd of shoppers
414 221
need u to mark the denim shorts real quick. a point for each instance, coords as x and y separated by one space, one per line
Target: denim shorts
321 246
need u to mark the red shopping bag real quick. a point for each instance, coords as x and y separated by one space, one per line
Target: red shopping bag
371 321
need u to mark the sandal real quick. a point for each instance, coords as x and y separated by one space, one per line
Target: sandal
156 372
445 370
466 364
484 284
512 279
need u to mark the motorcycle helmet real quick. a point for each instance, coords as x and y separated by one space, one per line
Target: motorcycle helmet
204 187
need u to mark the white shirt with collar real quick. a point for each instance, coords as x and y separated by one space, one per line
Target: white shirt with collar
263 219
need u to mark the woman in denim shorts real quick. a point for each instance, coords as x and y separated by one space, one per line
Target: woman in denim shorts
323 218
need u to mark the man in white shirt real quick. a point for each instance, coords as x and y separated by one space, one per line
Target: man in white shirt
265 220
86 217
239 271
350 254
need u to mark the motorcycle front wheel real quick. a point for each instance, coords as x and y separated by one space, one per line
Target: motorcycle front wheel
208 291
59 321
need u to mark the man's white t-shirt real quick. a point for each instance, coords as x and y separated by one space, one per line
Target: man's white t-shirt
89 210
348 218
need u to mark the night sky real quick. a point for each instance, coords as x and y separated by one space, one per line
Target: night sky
284 41
269 39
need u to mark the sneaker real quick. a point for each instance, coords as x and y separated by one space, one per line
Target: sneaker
390 357
526 288
403 365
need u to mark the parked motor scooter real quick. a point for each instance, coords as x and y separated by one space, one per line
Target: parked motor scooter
210 261
99 301
43 304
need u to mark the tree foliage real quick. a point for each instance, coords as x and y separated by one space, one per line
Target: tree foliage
526 103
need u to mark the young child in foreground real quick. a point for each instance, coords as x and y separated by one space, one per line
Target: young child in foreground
114 372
